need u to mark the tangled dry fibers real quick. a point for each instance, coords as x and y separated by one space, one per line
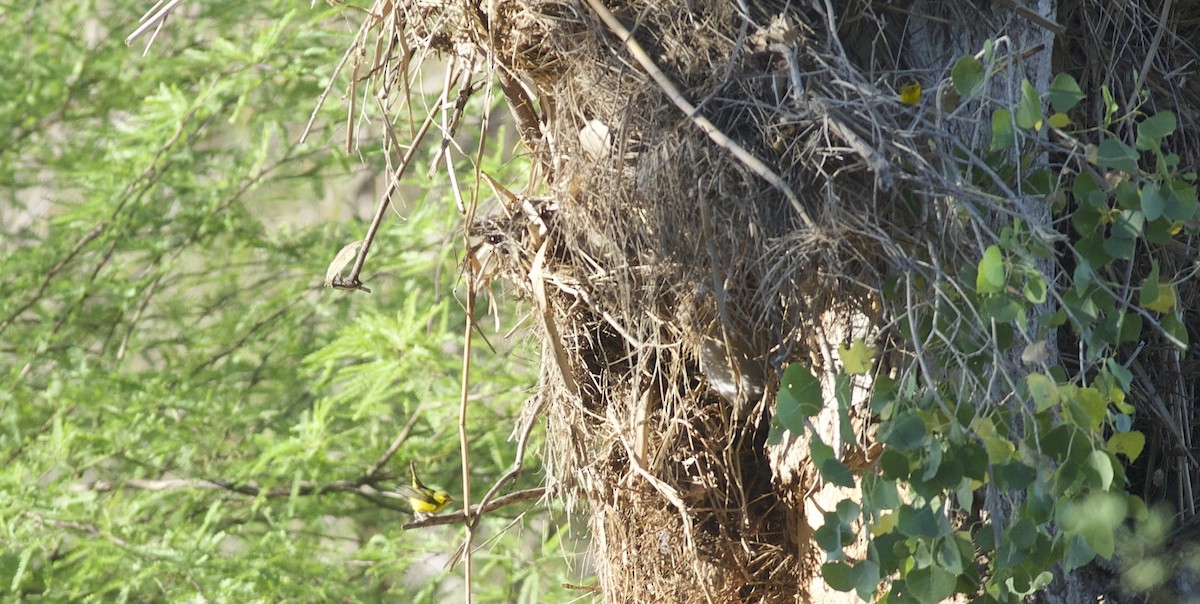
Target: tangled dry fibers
722 187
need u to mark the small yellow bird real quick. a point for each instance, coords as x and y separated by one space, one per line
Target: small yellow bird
424 500
910 94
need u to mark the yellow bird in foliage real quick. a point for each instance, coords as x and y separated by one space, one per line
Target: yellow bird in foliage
910 94
424 500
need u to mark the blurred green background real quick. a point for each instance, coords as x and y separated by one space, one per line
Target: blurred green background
182 404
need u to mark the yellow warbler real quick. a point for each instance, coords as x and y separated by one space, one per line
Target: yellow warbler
910 94
424 500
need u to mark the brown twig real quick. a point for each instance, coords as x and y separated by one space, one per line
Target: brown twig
464 442
353 282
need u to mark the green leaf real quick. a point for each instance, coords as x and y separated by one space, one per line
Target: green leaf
1081 277
1000 308
883 493
1181 201
1029 108
1122 374
1153 202
1059 120
1129 444
967 75
1087 191
999 449
832 535
1120 247
1115 154
1023 583
1127 195
799 397
1154 129
1149 291
1128 224
838 575
885 526
919 522
990 277
1014 476
1093 404
1130 328
906 432
895 465
1043 390
974 458
1065 444
830 467
859 358
1158 232
948 556
1079 553
1035 288
1100 470
1096 518
866 578
1165 300
930 585
1042 181
1065 93
1003 136
884 393
848 511
933 459
1110 105
1174 326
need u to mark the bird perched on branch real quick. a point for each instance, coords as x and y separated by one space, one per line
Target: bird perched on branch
424 500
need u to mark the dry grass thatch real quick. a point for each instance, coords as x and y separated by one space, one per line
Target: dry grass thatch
734 186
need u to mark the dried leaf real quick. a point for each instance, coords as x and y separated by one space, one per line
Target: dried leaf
340 261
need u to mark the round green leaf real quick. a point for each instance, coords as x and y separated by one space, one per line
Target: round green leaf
990 277
1115 154
866 578
967 76
1029 109
1153 202
1155 128
1043 390
1129 224
1035 288
1064 93
1002 131
857 359
906 432
1120 247
948 556
1129 444
1181 202
1014 476
1059 120
918 522
838 575
1079 553
930 585
895 465
799 397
